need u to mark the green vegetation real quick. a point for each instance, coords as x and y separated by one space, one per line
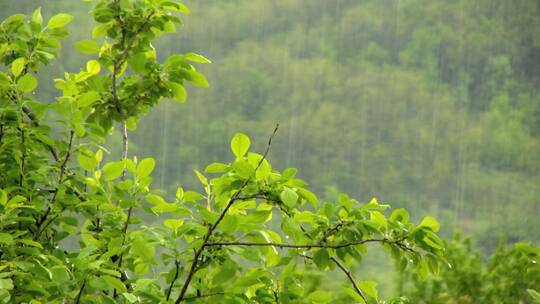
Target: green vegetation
509 276
74 231
431 105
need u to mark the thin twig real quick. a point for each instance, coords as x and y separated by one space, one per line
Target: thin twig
211 229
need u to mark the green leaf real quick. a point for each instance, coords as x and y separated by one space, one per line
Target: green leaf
5 238
87 160
216 168
534 294
179 92
113 170
100 30
87 47
32 243
379 218
93 67
27 83
196 58
229 224
60 273
369 288
198 79
289 197
179 193
3 197
36 16
308 196
354 295
6 284
225 273
240 144
59 20
430 223
201 177
190 196
17 66
88 98
321 259
320 296
138 62
145 167
400 215
130 297
173 224
114 283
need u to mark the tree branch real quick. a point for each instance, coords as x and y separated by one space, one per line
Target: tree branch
351 278
212 228
43 218
301 246
79 294
35 121
177 265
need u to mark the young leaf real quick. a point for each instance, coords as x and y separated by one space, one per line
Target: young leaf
36 16
87 47
93 67
240 144
196 58
430 223
113 170
145 167
17 66
369 288
5 238
58 21
289 197
114 283
179 92
27 83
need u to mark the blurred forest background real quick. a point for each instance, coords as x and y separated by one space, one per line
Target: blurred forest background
432 105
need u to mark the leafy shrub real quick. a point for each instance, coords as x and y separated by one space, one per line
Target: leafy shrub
510 275
75 227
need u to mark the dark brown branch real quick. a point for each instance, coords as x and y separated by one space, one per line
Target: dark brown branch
212 228
351 278
300 246
43 218
177 270
35 122
79 294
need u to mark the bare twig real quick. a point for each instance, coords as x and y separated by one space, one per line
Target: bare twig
212 228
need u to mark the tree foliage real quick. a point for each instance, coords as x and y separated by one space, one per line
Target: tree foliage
510 275
79 225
